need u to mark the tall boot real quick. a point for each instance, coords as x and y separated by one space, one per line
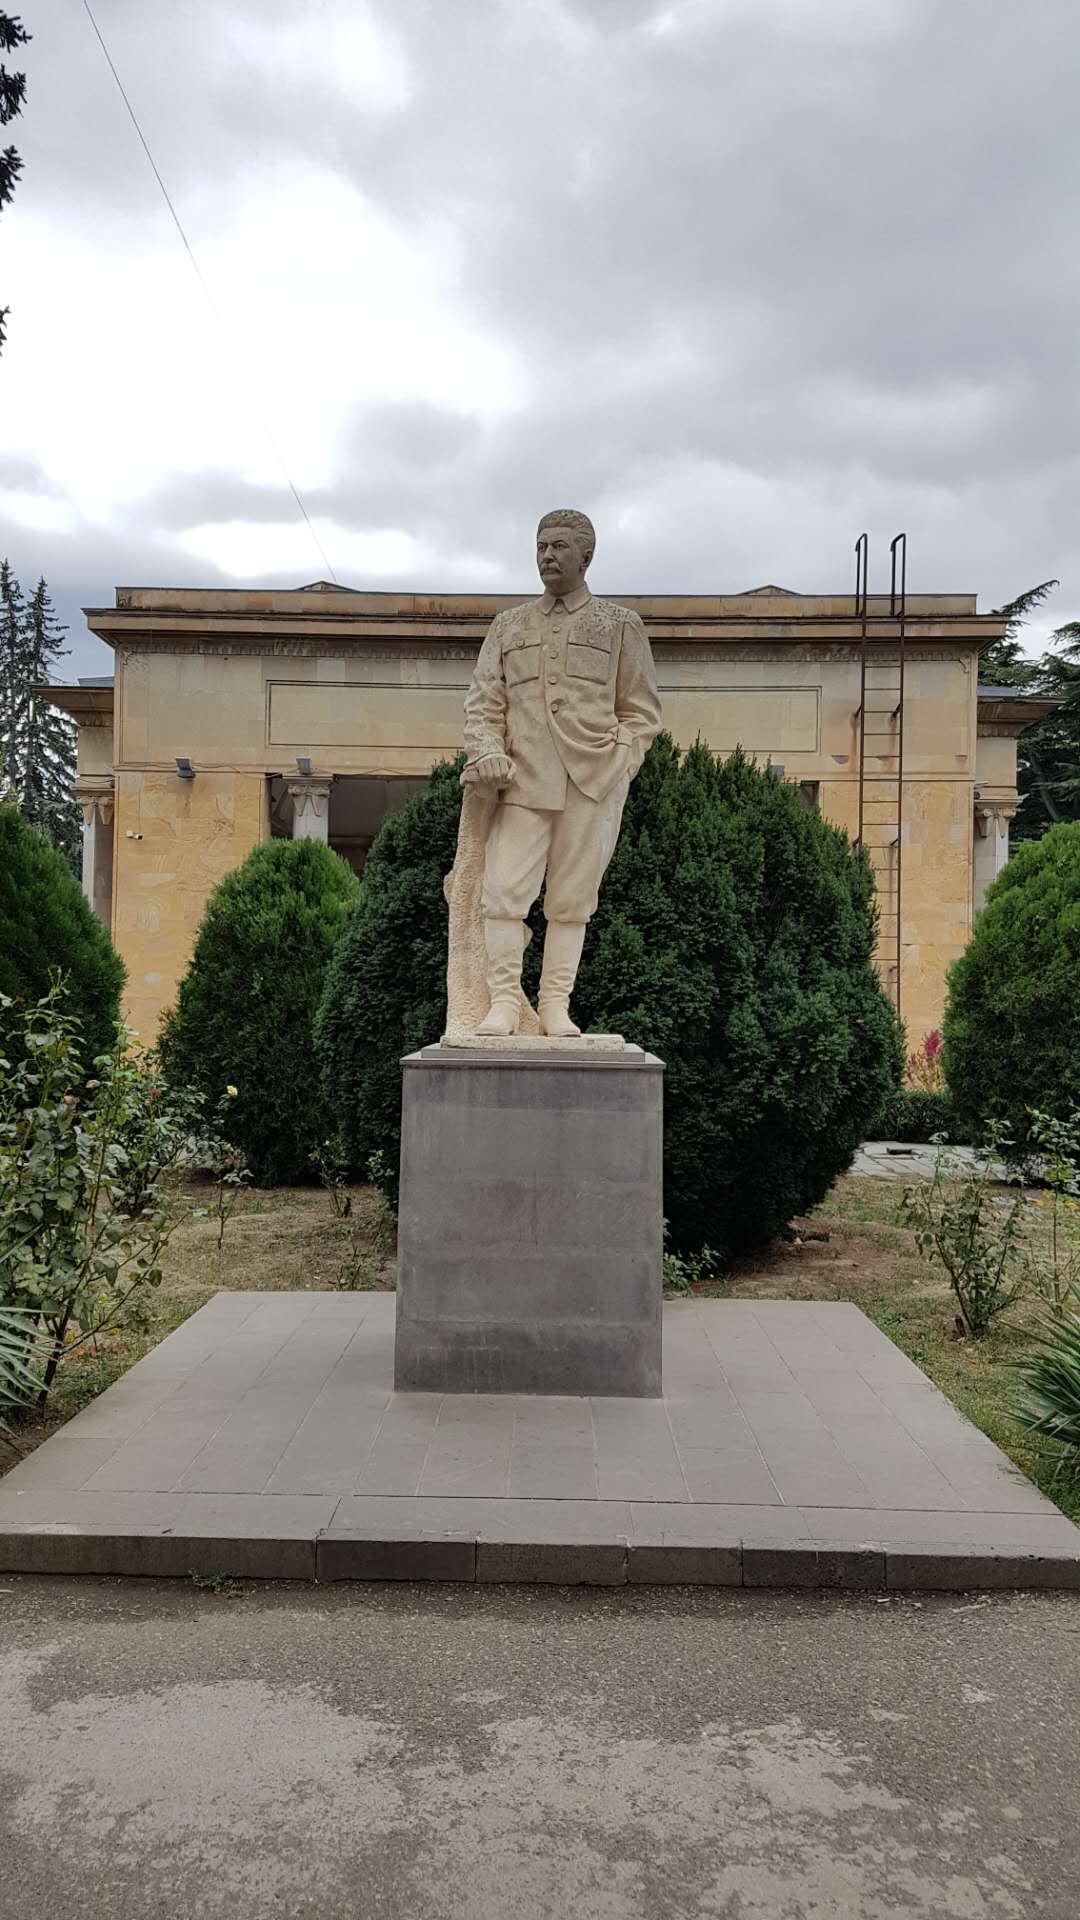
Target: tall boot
505 943
562 952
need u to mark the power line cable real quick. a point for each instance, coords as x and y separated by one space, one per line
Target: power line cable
211 302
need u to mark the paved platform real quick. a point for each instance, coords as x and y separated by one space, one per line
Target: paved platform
794 1446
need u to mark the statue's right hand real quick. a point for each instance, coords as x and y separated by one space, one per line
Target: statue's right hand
494 770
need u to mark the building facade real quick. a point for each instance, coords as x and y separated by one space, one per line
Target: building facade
235 716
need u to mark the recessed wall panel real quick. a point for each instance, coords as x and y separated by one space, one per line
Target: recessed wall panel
762 720
349 715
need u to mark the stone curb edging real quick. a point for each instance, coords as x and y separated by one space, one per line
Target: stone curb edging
464 1558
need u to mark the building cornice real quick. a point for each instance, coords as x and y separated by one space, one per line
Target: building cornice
176 619
90 706
1006 715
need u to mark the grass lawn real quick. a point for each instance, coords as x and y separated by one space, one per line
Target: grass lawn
852 1248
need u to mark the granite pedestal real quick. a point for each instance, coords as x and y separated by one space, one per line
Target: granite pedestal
530 1232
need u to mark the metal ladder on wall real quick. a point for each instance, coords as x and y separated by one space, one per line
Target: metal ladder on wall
880 717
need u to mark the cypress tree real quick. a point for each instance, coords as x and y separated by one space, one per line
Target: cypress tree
1012 1025
385 991
246 1006
47 926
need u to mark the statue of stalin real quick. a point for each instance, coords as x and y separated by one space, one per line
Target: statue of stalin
560 713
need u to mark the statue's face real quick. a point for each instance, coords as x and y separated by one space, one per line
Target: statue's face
560 556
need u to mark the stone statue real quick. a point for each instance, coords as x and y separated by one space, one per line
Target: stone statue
560 713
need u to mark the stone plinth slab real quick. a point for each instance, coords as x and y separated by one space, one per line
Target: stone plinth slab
264 1438
530 1232
536 1043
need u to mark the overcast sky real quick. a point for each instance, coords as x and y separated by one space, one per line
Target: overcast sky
738 277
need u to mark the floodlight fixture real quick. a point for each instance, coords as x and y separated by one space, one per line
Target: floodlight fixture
184 767
303 764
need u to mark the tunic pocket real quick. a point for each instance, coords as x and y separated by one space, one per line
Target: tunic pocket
521 663
587 663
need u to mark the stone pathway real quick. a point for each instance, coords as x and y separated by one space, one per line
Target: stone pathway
795 1445
899 1160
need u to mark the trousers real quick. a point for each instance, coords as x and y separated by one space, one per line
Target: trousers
574 845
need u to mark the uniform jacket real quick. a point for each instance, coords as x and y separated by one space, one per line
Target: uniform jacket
568 690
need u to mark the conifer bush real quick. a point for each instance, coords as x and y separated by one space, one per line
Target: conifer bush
385 991
245 1008
48 927
734 938
1012 1027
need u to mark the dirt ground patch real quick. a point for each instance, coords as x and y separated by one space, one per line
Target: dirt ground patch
282 1239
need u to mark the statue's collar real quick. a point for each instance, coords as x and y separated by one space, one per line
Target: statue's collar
572 601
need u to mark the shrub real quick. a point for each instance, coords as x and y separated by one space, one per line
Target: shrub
926 1067
1012 1027
47 927
975 1233
1054 1270
385 991
245 1008
734 938
85 1209
914 1116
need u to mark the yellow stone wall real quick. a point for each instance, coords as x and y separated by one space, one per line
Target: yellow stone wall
94 751
175 839
995 766
936 896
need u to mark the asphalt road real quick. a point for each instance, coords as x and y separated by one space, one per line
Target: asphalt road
518 1752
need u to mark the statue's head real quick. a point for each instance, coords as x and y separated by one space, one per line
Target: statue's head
565 544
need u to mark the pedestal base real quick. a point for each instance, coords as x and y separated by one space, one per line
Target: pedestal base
530 1233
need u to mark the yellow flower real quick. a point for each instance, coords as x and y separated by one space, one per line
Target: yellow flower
231 1091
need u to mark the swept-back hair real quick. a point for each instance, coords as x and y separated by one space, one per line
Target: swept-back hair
577 523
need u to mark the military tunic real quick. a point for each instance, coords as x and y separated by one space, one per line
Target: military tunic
566 689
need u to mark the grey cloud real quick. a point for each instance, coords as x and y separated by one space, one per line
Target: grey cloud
84 568
832 269
214 495
25 475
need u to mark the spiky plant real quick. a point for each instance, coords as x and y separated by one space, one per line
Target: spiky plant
1048 1400
20 1380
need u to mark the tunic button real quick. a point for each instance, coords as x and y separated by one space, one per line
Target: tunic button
554 652
555 706
553 679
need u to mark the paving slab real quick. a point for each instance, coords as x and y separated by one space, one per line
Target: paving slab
794 1446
